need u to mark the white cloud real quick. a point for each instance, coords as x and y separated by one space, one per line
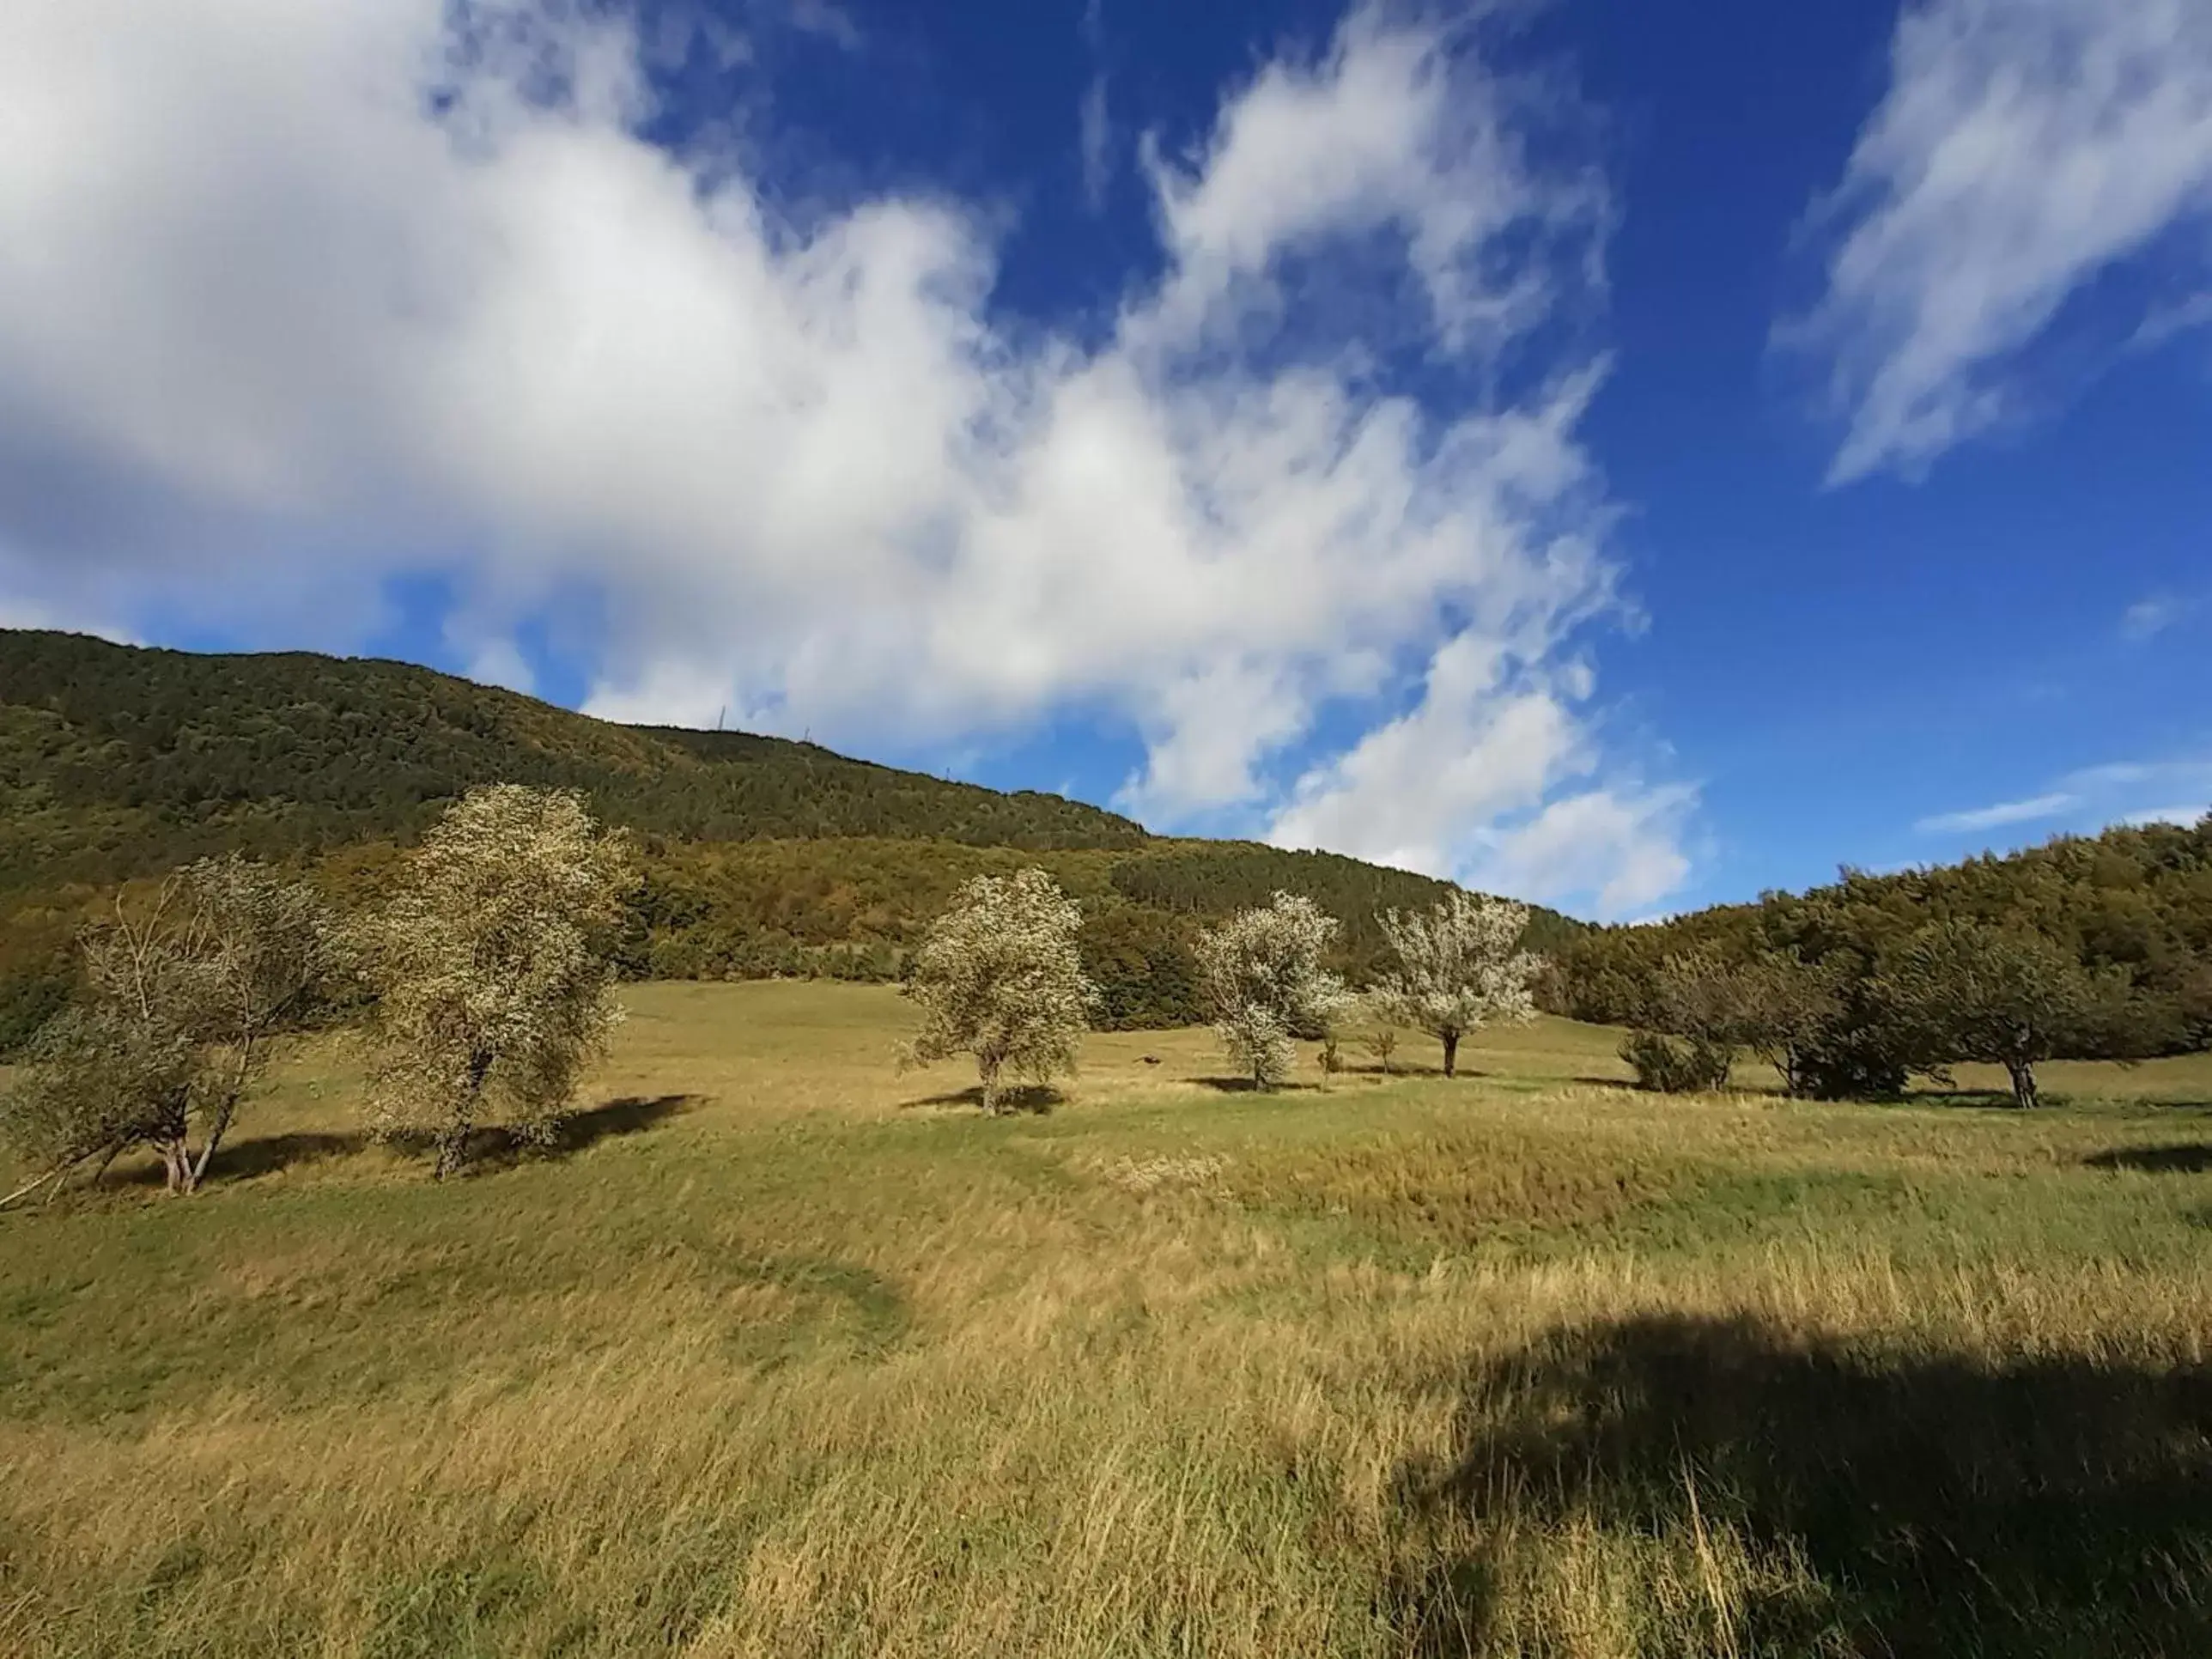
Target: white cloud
2147 618
2023 147
830 21
2167 777
2186 816
1625 848
1997 816
295 300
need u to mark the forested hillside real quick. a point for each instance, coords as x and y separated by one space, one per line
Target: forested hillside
115 762
763 856
2085 947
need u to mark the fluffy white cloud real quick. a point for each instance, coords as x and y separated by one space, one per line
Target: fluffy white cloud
2023 147
1623 847
296 300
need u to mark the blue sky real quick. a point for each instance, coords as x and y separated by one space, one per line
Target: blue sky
1626 453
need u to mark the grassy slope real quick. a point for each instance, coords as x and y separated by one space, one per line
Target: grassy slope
791 1355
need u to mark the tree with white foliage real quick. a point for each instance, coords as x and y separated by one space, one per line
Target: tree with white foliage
492 962
999 976
1262 977
1460 968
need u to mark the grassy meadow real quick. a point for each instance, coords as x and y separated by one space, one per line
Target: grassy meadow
783 1354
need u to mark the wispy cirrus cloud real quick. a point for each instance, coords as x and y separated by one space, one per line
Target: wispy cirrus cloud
1094 115
1995 817
2023 147
2092 797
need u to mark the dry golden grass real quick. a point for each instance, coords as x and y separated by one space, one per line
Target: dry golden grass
789 1355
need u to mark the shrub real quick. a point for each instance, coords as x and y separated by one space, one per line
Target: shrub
1675 1065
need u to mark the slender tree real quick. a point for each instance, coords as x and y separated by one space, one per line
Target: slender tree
493 966
1460 967
1265 986
999 976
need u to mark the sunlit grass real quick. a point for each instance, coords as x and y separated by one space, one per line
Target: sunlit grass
785 1353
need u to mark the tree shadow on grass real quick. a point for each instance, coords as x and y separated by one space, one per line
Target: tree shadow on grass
246 1158
499 1148
1037 1100
2188 1157
1244 1085
2052 1505
1991 1100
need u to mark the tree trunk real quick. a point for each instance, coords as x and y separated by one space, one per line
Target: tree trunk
1451 1053
224 1114
452 1144
176 1166
987 1068
453 1140
2022 1072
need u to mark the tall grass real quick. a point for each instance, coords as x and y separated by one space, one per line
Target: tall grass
793 1358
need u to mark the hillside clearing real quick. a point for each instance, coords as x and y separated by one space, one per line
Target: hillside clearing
783 1354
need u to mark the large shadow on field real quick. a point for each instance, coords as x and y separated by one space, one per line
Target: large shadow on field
2051 1506
242 1159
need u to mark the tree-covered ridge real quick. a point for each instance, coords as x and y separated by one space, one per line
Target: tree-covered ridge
117 762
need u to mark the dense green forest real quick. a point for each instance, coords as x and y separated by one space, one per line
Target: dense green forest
763 856
2085 947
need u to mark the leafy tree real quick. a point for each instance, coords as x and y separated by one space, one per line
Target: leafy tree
1141 961
999 976
182 997
493 965
1460 967
1969 991
1791 1009
1261 974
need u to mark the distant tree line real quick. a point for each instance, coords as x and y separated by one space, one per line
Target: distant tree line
2089 948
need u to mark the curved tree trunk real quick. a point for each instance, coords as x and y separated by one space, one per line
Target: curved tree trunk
1451 1053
